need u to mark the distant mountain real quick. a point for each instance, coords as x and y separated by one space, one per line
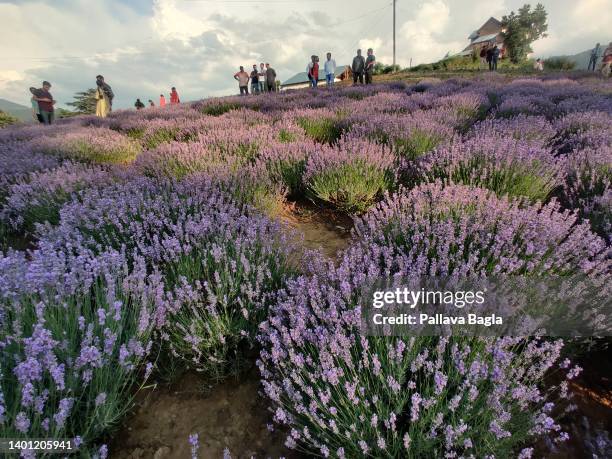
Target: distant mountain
20 112
581 59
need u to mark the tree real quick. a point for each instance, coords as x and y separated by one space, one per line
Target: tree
84 102
63 113
521 29
6 119
380 68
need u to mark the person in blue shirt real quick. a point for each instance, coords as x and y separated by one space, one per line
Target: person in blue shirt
330 70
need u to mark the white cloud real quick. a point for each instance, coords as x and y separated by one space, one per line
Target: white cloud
423 36
197 46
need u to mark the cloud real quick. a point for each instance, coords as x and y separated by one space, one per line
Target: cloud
143 48
424 36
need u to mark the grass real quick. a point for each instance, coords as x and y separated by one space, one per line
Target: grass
351 187
322 130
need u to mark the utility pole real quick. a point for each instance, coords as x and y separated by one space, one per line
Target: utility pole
394 35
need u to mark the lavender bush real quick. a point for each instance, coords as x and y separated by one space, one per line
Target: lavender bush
342 394
167 258
322 126
286 163
218 261
39 198
410 136
74 335
501 164
350 176
588 185
94 145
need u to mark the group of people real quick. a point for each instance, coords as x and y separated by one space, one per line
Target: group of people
489 55
606 59
262 79
363 67
174 100
360 67
43 103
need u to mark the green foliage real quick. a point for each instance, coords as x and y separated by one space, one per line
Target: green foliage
83 150
522 29
532 181
154 138
46 209
412 145
322 130
382 69
6 119
559 63
351 187
418 143
286 136
422 68
288 173
84 102
63 113
219 109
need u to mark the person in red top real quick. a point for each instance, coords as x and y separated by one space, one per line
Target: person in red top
313 71
162 100
174 97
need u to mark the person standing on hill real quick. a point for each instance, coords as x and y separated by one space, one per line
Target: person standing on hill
35 109
483 57
594 57
254 79
174 97
313 71
151 103
358 67
495 57
369 66
108 91
330 70
162 100
243 81
139 105
45 103
103 105
262 77
270 78
490 58
538 65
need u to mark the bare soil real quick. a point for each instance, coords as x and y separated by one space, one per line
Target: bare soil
590 426
322 228
229 415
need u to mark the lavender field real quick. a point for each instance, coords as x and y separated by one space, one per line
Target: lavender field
148 244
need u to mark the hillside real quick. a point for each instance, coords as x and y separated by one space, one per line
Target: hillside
581 59
21 112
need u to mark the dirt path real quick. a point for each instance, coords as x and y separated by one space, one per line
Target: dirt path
590 425
230 415
323 229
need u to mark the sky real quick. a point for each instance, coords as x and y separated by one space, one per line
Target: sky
144 47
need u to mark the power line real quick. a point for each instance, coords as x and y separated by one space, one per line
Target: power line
376 24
